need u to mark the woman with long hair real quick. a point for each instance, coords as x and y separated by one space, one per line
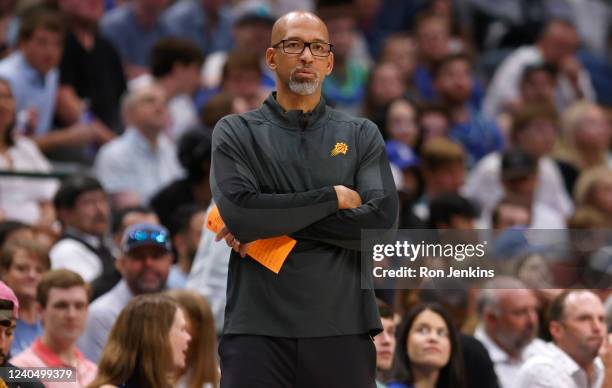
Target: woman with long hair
202 368
428 354
146 347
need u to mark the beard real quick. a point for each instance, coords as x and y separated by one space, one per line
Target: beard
303 87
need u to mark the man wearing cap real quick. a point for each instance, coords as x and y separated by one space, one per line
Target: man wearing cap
144 265
297 167
9 305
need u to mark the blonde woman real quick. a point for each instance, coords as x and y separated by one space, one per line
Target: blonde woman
146 347
202 369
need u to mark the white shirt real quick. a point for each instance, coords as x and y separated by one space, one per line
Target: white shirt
20 198
554 368
504 86
72 254
506 367
550 196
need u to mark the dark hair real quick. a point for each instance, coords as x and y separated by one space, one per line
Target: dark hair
385 311
446 206
510 200
524 117
557 307
71 188
530 70
194 151
167 52
219 106
181 219
239 61
451 375
442 63
9 131
119 216
39 17
59 278
8 227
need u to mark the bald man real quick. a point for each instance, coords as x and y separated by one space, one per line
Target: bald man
295 167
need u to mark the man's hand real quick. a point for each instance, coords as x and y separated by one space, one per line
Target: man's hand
347 198
232 241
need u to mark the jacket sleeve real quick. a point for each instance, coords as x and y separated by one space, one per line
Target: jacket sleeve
375 185
248 213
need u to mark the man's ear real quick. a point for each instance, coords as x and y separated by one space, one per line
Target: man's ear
330 64
119 265
270 58
556 329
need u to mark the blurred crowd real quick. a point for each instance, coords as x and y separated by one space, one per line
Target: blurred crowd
495 115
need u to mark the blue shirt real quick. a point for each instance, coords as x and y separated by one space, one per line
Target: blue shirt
395 384
188 19
31 88
479 136
132 41
25 334
128 163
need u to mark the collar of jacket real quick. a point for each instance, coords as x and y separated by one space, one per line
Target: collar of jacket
294 119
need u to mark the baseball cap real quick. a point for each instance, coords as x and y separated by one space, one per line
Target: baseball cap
7 314
401 155
517 164
140 235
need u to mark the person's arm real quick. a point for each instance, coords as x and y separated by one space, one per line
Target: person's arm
375 185
248 213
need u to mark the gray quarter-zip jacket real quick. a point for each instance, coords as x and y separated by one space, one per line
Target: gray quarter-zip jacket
273 173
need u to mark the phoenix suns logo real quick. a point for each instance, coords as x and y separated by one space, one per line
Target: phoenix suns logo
339 148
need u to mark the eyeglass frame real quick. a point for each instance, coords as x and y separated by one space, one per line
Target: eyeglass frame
306 44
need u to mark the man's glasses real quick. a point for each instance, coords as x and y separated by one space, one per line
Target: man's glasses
296 46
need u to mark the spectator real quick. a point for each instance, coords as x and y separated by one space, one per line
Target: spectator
536 87
452 211
428 350
556 46
63 298
14 230
33 73
194 155
206 22
533 132
401 123
383 87
24 199
141 161
401 49
519 176
133 28
91 75
208 275
202 367
251 31
434 43
242 77
453 295
175 66
443 169
508 328
385 343
9 305
404 166
22 265
82 207
219 106
578 329
594 190
186 229
453 83
144 265
146 346
511 212
344 89
585 137
9 23
433 120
